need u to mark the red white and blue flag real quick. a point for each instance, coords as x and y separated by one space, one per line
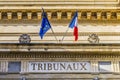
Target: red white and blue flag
73 24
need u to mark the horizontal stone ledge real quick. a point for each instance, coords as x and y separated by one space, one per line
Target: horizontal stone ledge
58 2
68 34
62 76
60 50
55 7
58 44
58 47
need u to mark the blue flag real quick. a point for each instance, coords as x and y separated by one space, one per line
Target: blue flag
45 25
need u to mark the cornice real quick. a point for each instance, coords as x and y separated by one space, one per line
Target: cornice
31 9
59 47
59 2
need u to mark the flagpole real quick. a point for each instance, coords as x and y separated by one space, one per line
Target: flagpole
54 34
65 33
72 24
51 26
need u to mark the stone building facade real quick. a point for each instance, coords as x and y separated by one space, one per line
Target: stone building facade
95 56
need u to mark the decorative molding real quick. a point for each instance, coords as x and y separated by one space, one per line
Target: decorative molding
24 38
82 14
60 47
59 55
83 2
68 34
93 38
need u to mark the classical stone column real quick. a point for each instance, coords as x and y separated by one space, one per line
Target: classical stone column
3 66
115 66
94 66
24 67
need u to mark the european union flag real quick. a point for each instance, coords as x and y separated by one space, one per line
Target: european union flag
45 25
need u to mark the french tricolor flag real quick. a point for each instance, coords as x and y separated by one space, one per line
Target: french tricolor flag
73 24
